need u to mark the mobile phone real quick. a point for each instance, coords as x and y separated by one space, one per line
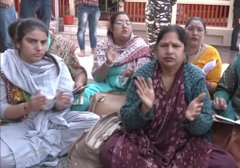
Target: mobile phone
76 90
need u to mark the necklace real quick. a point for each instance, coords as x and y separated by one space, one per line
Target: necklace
163 85
196 56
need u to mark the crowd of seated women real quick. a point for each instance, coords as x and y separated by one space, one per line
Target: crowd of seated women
167 114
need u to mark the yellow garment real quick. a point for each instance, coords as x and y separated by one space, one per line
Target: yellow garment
208 55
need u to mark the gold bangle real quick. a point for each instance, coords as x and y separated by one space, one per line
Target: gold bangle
26 107
21 109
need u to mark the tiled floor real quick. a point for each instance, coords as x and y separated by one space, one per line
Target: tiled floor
226 54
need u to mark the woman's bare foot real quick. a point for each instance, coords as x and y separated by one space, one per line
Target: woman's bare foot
82 53
93 50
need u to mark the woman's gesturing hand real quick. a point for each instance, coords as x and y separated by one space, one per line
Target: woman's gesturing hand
145 92
62 101
195 107
37 102
110 55
219 103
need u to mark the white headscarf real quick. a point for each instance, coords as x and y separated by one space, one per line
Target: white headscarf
41 76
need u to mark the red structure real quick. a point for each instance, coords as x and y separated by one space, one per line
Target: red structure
214 15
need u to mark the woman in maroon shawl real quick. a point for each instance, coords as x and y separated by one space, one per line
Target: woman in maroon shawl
166 115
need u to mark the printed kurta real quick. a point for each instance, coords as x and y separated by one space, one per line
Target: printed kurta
133 54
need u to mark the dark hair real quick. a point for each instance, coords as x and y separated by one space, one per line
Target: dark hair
196 18
13 28
173 28
28 25
21 27
112 20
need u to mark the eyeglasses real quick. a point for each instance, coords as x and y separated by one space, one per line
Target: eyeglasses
123 22
192 28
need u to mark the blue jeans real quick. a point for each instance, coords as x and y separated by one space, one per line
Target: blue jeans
41 8
90 15
7 16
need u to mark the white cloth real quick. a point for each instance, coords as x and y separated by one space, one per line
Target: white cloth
45 135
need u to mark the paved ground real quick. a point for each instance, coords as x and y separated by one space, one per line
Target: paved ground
226 54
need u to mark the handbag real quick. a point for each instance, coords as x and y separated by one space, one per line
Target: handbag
104 103
85 152
227 136
6 3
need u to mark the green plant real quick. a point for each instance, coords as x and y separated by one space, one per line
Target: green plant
67 11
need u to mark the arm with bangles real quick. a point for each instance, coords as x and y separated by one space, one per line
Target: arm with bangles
100 73
79 75
36 103
8 111
19 111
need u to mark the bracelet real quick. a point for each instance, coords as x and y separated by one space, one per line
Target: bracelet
109 65
26 107
21 110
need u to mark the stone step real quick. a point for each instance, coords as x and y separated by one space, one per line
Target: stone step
71 30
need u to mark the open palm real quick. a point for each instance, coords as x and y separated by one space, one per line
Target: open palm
145 92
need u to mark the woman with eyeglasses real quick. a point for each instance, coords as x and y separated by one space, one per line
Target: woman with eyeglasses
117 57
200 53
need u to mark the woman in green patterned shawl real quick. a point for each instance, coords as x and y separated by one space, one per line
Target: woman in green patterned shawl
227 95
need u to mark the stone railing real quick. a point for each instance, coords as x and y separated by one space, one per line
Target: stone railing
218 15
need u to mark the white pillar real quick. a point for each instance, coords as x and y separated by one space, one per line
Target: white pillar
56 3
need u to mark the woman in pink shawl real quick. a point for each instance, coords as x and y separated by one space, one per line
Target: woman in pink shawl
166 115
116 58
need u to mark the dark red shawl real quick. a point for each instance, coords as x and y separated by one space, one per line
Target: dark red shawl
164 142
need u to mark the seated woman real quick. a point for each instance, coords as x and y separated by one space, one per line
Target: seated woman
227 96
63 48
116 58
36 90
166 114
200 53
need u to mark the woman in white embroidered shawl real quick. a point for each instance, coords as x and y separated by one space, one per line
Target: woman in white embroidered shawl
36 93
116 58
